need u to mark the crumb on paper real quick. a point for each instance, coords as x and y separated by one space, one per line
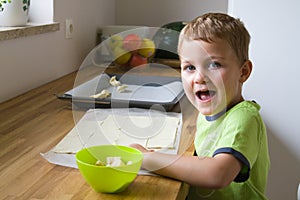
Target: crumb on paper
101 95
114 82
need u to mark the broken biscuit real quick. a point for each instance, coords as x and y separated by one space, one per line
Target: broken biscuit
101 95
121 88
113 162
99 163
114 82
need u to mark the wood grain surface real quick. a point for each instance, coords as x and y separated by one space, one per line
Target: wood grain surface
36 121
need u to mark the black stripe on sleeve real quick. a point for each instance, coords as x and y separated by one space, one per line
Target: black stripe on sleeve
245 171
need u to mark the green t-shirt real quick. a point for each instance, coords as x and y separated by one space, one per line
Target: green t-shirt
241 132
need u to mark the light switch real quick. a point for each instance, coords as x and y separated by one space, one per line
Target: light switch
69 28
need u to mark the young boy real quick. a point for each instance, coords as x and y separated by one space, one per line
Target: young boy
231 160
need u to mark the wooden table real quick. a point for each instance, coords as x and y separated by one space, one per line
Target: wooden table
35 122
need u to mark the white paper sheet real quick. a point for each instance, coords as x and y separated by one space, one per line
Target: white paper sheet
94 129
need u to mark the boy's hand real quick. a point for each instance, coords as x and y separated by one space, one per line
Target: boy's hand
141 148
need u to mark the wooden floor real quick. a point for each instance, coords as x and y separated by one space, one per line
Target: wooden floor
35 122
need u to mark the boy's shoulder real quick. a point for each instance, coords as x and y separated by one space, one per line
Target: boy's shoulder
244 111
246 105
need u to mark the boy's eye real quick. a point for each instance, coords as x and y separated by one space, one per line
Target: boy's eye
214 65
190 67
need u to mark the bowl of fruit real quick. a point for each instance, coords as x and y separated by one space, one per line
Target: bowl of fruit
131 50
109 168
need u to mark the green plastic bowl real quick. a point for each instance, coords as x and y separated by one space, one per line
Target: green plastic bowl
109 179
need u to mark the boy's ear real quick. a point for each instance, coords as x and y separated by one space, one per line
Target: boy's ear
246 70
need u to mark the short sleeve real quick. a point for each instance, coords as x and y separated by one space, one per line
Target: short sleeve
241 137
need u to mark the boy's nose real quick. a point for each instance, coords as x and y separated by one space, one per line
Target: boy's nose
200 77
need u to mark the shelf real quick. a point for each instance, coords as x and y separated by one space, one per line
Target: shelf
9 33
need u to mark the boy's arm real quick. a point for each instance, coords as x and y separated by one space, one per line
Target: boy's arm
206 172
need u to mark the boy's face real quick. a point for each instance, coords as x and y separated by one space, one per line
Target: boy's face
211 75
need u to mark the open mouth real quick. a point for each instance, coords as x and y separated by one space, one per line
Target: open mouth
206 95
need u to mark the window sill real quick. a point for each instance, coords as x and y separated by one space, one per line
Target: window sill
8 33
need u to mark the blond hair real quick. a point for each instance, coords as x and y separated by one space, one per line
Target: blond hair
218 25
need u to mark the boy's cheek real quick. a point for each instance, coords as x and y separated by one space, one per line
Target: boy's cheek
186 80
187 87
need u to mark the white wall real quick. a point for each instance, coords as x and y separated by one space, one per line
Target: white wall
156 13
41 11
28 62
43 58
275 30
